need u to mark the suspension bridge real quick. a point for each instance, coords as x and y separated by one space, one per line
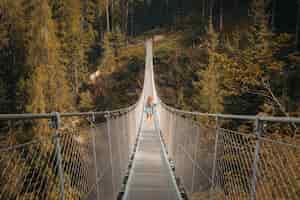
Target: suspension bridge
174 156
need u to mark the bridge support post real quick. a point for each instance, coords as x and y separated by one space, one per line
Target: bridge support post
120 156
196 146
174 138
258 131
217 127
55 123
92 121
108 122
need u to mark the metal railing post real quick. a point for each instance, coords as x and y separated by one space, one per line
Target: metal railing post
215 158
195 156
258 131
92 121
119 138
107 116
174 138
55 123
170 139
125 141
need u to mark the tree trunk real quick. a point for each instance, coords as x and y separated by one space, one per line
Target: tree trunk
131 20
298 27
124 15
210 18
203 9
112 11
107 16
273 22
221 23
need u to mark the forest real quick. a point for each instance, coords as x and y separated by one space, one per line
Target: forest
213 56
238 57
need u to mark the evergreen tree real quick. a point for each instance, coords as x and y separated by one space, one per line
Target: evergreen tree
112 43
12 44
71 34
48 88
256 65
208 93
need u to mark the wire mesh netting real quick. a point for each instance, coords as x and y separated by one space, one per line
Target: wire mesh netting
278 171
29 171
213 160
83 159
191 148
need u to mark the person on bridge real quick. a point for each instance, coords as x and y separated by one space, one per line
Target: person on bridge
149 108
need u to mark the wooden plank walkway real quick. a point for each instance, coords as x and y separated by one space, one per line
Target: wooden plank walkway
150 177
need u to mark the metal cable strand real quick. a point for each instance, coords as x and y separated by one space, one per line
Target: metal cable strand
29 172
77 153
247 166
284 162
77 160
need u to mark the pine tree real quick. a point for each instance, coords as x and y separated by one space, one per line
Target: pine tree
71 34
255 65
112 43
48 88
208 95
221 16
12 43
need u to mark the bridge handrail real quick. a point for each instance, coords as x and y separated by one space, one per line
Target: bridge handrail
28 116
237 161
100 141
230 116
